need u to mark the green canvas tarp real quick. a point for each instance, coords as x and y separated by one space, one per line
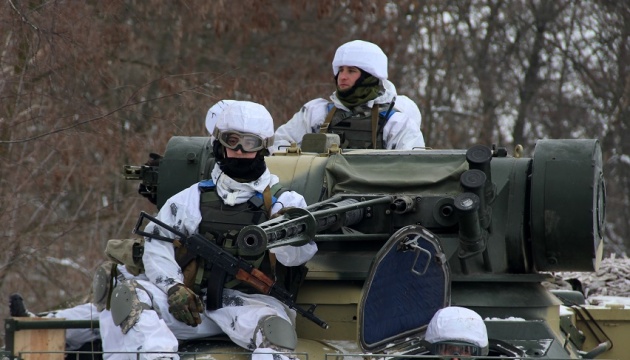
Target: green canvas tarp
428 172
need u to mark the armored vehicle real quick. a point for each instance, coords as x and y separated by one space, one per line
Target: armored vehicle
402 234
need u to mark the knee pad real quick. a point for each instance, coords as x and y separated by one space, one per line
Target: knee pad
125 305
101 285
278 332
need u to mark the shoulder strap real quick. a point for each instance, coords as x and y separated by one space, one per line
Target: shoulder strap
374 125
278 190
387 114
207 183
270 195
323 129
267 199
206 188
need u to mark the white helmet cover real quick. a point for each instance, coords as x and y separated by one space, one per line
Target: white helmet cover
364 55
213 114
456 323
247 117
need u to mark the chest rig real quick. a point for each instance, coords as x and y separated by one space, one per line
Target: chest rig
361 128
220 224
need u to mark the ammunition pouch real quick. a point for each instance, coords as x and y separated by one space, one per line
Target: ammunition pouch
127 252
214 286
359 129
291 277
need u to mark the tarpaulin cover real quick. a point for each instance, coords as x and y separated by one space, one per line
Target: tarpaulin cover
435 172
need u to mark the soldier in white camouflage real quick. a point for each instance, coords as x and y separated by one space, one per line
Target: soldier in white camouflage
457 331
176 296
364 110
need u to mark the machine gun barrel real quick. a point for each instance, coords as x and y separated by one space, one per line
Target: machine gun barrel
298 226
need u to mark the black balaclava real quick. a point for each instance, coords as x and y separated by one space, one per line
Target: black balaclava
366 88
239 169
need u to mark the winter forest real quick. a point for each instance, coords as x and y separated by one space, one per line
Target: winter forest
89 86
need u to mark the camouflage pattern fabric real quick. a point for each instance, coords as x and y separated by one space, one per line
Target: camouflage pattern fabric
121 251
126 307
185 305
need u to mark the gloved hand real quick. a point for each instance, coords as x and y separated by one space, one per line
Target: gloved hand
281 212
185 305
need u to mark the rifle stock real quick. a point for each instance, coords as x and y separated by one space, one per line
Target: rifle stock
234 266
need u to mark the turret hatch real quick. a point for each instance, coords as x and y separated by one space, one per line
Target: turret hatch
408 282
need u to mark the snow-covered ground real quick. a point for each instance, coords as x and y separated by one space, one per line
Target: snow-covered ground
609 285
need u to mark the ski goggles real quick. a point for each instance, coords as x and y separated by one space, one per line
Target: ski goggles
455 348
248 142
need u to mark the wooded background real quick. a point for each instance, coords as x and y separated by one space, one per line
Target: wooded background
89 86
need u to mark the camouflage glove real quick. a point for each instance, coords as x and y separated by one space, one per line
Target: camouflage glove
185 305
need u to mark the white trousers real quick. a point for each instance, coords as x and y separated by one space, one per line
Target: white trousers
156 332
75 338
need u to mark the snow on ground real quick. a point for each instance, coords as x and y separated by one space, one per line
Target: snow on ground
608 285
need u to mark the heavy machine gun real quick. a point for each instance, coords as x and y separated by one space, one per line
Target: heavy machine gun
332 220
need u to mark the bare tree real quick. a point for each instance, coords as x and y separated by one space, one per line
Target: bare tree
88 87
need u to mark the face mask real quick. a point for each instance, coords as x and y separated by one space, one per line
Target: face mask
243 170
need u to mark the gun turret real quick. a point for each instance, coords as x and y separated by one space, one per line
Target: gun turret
532 214
493 224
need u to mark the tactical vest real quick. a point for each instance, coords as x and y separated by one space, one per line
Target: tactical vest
221 223
361 128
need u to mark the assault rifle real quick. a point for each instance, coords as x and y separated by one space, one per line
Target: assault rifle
234 266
